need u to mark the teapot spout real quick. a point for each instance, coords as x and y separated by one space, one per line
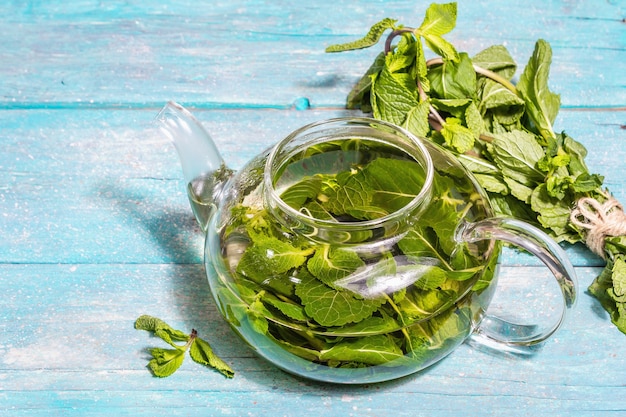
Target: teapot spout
203 167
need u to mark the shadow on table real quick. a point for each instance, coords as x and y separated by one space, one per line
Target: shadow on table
176 234
174 229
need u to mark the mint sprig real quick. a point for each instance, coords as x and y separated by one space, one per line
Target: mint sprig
165 362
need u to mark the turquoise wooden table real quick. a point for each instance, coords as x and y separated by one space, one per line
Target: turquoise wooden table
95 228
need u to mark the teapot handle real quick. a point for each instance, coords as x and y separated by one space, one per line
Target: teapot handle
495 332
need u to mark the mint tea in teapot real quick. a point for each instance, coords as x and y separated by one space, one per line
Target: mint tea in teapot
353 252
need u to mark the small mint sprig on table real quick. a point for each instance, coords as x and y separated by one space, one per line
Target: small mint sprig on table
165 362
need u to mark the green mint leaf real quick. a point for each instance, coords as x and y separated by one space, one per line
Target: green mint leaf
557 187
418 304
465 274
618 278
258 323
453 80
478 165
432 235
269 257
318 211
492 183
441 47
296 347
518 190
290 309
553 213
474 120
370 192
331 264
505 106
149 323
456 107
257 313
556 158
496 58
392 192
586 183
166 361
370 326
426 340
615 244
418 246
457 137
577 153
487 276
351 194
609 287
542 105
331 307
372 350
428 277
442 216
416 120
439 19
407 82
517 154
372 37
160 329
549 164
421 69
390 99
301 192
201 352
508 205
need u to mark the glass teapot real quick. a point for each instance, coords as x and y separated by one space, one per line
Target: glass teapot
353 251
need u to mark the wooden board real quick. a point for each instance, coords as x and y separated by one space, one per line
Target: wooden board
95 228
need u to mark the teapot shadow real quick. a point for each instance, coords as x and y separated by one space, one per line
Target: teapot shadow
176 233
174 230
178 238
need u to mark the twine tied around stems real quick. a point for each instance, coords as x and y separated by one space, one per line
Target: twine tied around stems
600 220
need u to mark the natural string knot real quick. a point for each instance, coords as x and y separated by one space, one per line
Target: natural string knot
600 220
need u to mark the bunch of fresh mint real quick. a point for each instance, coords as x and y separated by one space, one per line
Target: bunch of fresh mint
502 132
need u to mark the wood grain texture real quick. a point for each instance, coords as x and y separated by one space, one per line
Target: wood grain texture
61 356
95 229
271 54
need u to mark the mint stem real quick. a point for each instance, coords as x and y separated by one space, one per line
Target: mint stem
192 337
393 34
